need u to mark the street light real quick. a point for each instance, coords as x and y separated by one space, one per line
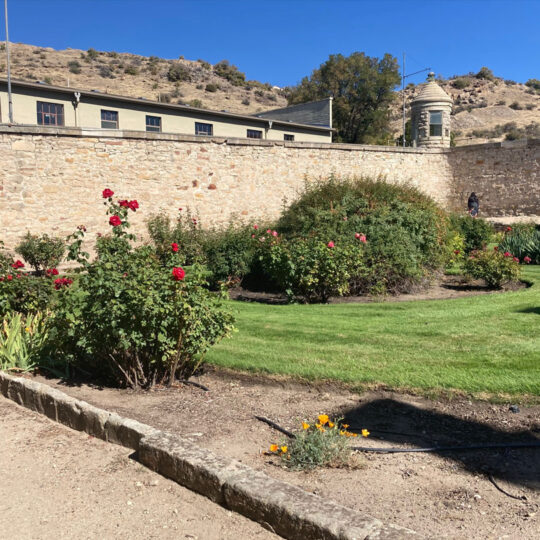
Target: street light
10 101
403 90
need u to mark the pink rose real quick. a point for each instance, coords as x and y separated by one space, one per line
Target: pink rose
507 254
274 233
330 244
255 227
526 260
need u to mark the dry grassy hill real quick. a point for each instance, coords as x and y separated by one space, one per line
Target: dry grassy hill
219 87
485 109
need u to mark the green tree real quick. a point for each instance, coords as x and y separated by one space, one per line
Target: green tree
362 88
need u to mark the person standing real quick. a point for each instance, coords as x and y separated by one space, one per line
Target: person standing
473 205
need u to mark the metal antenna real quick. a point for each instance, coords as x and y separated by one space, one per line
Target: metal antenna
10 100
403 90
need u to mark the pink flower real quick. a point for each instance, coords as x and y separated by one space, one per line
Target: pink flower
345 218
268 231
252 236
507 254
9 277
330 244
107 193
516 259
526 260
174 247
115 221
255 227
361 237
178 273
274 233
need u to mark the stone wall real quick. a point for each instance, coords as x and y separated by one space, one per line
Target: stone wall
505 176
52 178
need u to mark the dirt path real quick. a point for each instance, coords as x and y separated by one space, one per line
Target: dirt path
58 483
442 496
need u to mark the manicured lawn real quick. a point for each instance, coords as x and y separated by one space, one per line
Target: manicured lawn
488 344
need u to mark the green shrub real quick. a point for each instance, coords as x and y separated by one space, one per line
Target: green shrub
309 269
494 267
133 317
41 252
476 232
230 73
74 67
212 87
131 70
197 103
522 240
485 73
23 293
178 73
516 106
92 54
461 83
405 229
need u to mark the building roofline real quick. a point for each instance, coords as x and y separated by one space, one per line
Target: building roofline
168 106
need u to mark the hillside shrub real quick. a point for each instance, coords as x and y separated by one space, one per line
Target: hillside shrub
74 67
135 318
405 229
211 87
178 73
493 266
485 73
92 54
477 233
522 240
41 252
461 83
229 72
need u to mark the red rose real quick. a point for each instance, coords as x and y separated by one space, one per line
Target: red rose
330 244
107 193
62 282
178 273
17 264
180 209
456 252
9 277
124 203
133 205
174 247
255 227
508 229
496 248
52 272
115 221
526 260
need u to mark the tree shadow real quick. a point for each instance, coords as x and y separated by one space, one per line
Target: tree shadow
403 424
535 310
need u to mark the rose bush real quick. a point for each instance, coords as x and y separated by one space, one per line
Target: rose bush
493 266
134 317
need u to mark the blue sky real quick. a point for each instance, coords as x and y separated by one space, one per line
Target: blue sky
280 41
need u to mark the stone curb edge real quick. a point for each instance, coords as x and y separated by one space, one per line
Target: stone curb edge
283 508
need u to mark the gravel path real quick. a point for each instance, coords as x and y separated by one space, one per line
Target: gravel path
58 483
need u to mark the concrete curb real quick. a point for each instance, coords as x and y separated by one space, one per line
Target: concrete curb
286 509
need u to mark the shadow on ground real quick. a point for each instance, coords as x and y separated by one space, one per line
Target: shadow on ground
535 310
403 424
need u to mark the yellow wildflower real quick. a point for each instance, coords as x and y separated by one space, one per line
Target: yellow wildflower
27 329
345 426
305 425
330 424
365 433
273 448
323 418
354 434
284 449
342 432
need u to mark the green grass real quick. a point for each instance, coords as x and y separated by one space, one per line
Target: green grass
487 345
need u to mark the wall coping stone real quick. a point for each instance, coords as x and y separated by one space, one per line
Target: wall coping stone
13 129
286 509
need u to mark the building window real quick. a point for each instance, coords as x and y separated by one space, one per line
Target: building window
435 123
50 114
204 129
109 119
288 137
254 134
153 123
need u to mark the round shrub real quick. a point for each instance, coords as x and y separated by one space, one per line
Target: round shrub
477 232
41 252
405 229
494 267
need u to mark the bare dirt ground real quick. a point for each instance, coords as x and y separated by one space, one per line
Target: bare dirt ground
443 288
58 483
440 495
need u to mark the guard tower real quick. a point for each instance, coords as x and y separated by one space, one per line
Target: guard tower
430 116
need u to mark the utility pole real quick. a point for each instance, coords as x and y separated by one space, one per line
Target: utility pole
10 100
403 77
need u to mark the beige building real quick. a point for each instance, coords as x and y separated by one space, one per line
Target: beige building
55 106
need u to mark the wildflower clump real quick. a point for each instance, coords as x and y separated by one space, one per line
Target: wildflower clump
318 444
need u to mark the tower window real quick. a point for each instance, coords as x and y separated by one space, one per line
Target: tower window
435 123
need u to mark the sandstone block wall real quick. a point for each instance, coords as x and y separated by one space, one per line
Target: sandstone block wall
505 176
52 179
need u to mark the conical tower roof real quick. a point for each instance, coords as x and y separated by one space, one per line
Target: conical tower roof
431 91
